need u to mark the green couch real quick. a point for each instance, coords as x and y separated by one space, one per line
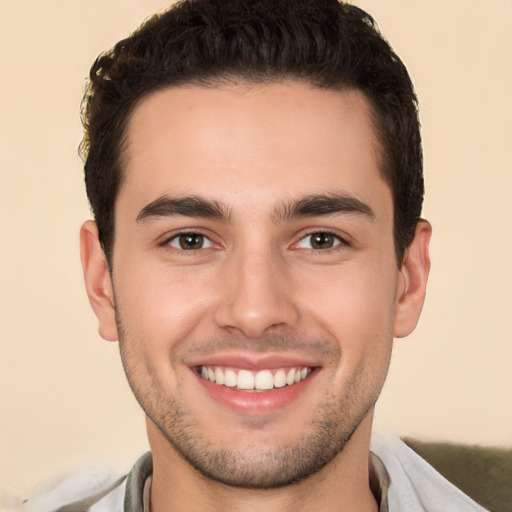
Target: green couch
484 473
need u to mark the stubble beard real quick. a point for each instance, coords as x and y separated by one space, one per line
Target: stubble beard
264 467
333 422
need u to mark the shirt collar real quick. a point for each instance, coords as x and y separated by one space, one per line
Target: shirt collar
139 481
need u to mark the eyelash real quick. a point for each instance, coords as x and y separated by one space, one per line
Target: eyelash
339 241
167 242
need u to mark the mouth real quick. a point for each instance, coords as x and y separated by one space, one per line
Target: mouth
263 380
258 384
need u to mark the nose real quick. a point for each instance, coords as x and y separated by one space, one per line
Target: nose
258 295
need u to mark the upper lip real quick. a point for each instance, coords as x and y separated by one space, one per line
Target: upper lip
248 361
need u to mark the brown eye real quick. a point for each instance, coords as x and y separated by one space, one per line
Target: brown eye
322 241
190 242
319 241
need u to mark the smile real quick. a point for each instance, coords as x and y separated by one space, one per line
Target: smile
246 380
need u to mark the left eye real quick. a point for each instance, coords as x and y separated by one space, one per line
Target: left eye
190 242
319 241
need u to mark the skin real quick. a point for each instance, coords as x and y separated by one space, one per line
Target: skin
257 288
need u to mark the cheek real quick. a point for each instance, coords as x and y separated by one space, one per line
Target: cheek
351 296
356 308
163 305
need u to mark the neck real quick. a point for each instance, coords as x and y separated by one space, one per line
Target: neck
343 484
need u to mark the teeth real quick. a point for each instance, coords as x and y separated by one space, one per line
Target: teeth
219 376
229 378
245 380
263 380
280 379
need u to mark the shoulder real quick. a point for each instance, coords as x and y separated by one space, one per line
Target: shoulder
415 484
482 472
94 489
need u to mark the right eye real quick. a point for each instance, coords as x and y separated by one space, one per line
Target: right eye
190 241
320 241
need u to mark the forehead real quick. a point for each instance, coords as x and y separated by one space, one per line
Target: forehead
261 143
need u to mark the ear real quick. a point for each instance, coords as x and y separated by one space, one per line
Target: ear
97 281
413 276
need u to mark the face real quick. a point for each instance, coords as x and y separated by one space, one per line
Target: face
254 280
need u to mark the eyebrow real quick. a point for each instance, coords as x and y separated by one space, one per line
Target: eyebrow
309 206
190 206
323 204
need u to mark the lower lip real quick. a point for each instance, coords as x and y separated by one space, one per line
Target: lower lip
262 402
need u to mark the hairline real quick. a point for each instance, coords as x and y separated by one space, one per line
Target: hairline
250 80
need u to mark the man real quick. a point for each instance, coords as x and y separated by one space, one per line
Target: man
255 172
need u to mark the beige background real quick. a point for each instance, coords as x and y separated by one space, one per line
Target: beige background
63 399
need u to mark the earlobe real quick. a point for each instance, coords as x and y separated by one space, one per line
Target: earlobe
98 282
413 281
